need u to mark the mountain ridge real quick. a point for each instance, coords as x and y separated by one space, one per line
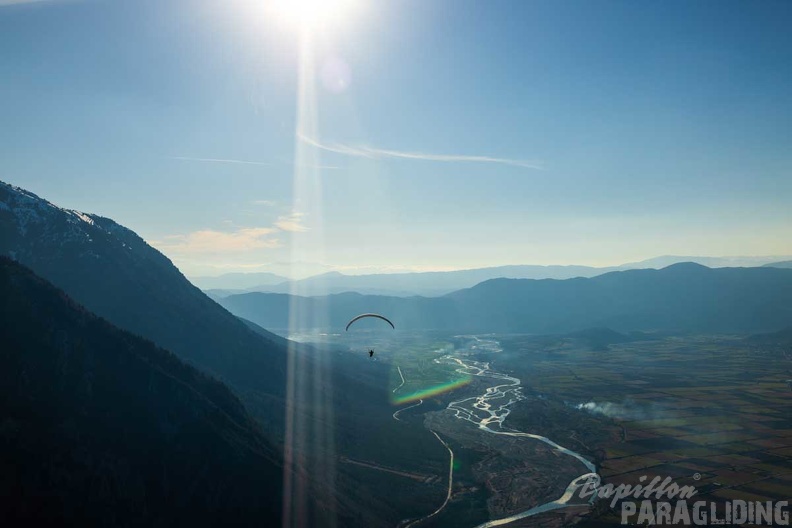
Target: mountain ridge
682 297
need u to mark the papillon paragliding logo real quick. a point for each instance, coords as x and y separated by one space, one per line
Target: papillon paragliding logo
364 316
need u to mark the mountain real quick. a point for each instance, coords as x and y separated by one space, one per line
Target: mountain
684 297
438 283
272 310
430 283
237 281
710 262
112 272
100 427
782 264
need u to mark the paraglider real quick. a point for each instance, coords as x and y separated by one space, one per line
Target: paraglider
361 316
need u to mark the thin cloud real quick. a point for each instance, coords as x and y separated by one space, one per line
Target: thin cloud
363 151
292 223
211 241
265 203
239 240
220 160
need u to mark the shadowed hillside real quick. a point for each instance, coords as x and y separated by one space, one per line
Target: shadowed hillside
102 428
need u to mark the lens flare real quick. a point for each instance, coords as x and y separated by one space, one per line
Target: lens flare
431 391
336 75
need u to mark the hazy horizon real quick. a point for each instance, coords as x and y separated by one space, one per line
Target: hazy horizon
303 270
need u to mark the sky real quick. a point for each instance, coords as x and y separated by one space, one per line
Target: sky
429 134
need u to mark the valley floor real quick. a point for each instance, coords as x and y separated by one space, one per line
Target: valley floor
708 411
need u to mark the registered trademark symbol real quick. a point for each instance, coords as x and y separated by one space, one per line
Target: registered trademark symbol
696 476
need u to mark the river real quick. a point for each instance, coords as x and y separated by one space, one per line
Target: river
489 411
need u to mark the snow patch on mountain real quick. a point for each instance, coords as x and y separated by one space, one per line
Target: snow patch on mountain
35 228
30 210
82 216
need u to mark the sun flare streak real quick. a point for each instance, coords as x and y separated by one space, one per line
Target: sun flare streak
309 448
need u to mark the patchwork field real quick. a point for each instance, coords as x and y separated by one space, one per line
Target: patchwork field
708 411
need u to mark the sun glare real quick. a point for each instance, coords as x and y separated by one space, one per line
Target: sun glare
313 14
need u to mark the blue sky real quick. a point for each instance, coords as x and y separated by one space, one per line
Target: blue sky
448 133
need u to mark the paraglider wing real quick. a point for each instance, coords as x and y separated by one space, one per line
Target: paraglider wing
361 316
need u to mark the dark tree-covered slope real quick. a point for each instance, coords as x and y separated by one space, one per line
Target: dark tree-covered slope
99 427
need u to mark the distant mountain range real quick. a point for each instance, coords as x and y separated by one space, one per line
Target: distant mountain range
115 274
100 427
683 297
710 262
438 283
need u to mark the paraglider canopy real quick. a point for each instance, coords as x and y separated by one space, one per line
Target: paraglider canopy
361 316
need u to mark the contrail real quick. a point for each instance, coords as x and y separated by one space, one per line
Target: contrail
363 151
